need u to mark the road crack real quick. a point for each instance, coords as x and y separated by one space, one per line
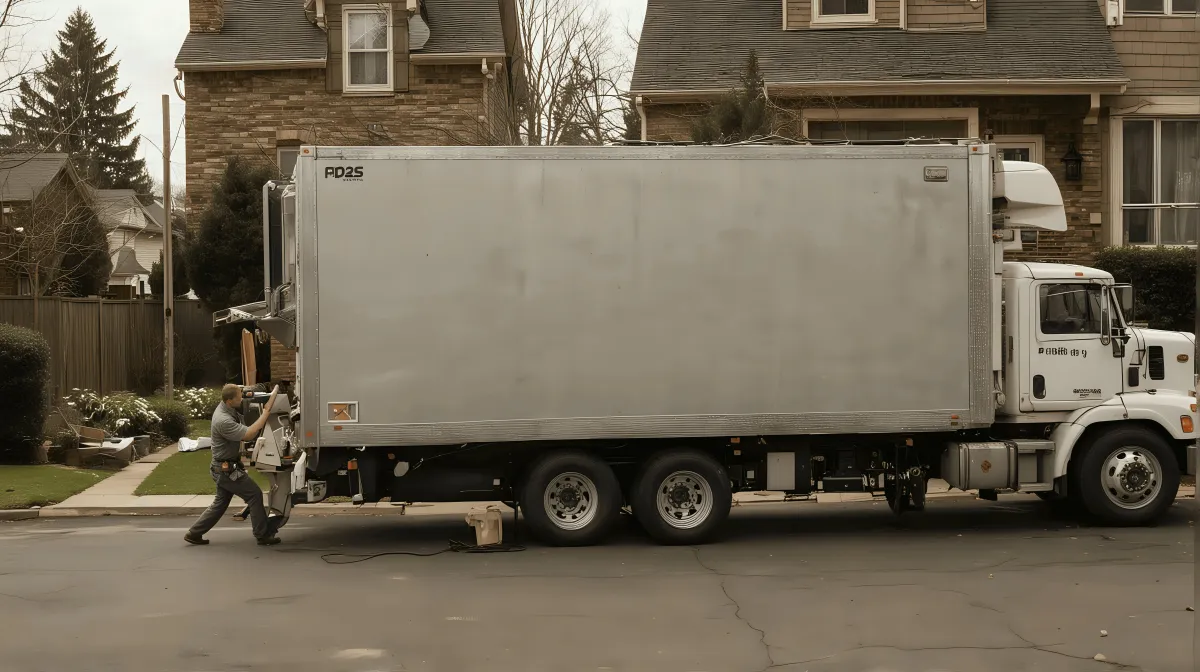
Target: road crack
737 613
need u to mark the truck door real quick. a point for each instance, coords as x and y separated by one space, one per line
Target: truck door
1071 365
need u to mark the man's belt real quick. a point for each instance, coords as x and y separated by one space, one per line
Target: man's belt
229 466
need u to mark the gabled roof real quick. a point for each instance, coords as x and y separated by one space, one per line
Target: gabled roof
121 209
22 176
702 46
127 264
276 33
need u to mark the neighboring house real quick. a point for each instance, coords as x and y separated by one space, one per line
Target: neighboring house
135 240
42 199
262 77
1115 83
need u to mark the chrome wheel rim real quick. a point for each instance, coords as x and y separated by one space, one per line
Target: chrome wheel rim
1131 477
570 501
684 499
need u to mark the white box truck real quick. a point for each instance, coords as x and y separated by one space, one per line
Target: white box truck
576 330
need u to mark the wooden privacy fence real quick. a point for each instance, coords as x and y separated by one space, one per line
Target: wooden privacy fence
109 346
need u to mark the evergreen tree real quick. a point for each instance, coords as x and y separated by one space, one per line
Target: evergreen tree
71 107
741 114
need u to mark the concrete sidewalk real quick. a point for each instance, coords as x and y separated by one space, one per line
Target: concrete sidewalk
115 496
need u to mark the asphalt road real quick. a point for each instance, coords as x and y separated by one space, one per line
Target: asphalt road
793 587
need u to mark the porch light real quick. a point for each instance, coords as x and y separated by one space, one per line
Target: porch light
1073 161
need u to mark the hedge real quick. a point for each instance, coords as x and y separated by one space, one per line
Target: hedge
1164 283
24 392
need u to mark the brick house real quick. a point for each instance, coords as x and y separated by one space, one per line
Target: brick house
262 77
1117 81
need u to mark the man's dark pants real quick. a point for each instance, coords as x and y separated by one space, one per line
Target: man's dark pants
243 487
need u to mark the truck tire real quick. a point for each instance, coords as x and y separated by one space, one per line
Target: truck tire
1125 477
570 499
681 497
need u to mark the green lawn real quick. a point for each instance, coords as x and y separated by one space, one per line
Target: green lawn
23 486
200 428
186 474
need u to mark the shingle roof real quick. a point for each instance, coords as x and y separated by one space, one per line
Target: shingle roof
463 27
272 31
120 208
256 30
686 45
22 176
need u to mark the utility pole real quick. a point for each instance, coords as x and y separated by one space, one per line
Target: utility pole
168 266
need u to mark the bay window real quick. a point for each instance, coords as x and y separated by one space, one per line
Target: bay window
1160 196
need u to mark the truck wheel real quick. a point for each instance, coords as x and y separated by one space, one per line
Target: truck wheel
1125 477
570 499
681 497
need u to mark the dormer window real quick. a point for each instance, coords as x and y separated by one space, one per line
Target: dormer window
843 11
368 48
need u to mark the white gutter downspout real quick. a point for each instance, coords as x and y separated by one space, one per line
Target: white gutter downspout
321 15
903 14
641 110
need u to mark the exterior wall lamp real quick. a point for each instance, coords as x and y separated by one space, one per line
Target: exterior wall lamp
1073 161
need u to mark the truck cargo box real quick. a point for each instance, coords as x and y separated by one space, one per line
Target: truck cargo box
456 295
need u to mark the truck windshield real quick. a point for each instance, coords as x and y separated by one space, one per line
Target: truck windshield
1070 308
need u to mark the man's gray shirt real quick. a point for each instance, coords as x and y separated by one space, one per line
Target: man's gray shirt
227 434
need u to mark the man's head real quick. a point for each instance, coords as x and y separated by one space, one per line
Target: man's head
231 395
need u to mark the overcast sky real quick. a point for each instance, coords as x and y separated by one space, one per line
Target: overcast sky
147 35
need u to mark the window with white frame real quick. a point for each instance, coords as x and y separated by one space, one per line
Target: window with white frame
1167 7
368 48
843 11
1160 185
286 159
1021 148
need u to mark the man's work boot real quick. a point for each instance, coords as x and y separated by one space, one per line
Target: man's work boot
267 541
199 541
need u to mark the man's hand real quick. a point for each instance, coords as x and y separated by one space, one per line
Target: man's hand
262 418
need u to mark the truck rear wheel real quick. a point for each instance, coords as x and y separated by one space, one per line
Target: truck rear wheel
1126 476
570 499
681 497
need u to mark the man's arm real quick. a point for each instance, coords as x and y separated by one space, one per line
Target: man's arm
262 418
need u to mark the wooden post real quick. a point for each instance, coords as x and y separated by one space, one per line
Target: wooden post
100 344
168 266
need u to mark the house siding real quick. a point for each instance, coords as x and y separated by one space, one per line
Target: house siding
799 14
246 113
1059 119
1161 54
936 15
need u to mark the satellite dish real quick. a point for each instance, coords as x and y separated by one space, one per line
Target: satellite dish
418 32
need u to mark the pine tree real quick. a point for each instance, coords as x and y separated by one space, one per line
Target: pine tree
741 114
71 106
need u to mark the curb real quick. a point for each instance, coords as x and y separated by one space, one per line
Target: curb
19 514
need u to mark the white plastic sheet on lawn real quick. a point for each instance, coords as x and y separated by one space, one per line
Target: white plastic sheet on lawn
187 445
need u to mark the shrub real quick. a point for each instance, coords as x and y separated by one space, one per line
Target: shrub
126 414
88 404
201 401
1164 283
60 443
174 417
24 389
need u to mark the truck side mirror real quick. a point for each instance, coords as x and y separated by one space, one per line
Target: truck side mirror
1124 295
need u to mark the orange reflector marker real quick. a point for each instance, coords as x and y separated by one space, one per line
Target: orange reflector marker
337 428
352 465
736 439
1079 274
1182 359
954 417
308 435
391 456
1185 421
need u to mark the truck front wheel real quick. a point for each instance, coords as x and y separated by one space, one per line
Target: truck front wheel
570 499
1125 476
681 497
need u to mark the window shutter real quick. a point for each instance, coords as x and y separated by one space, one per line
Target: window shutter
334 56
399 48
